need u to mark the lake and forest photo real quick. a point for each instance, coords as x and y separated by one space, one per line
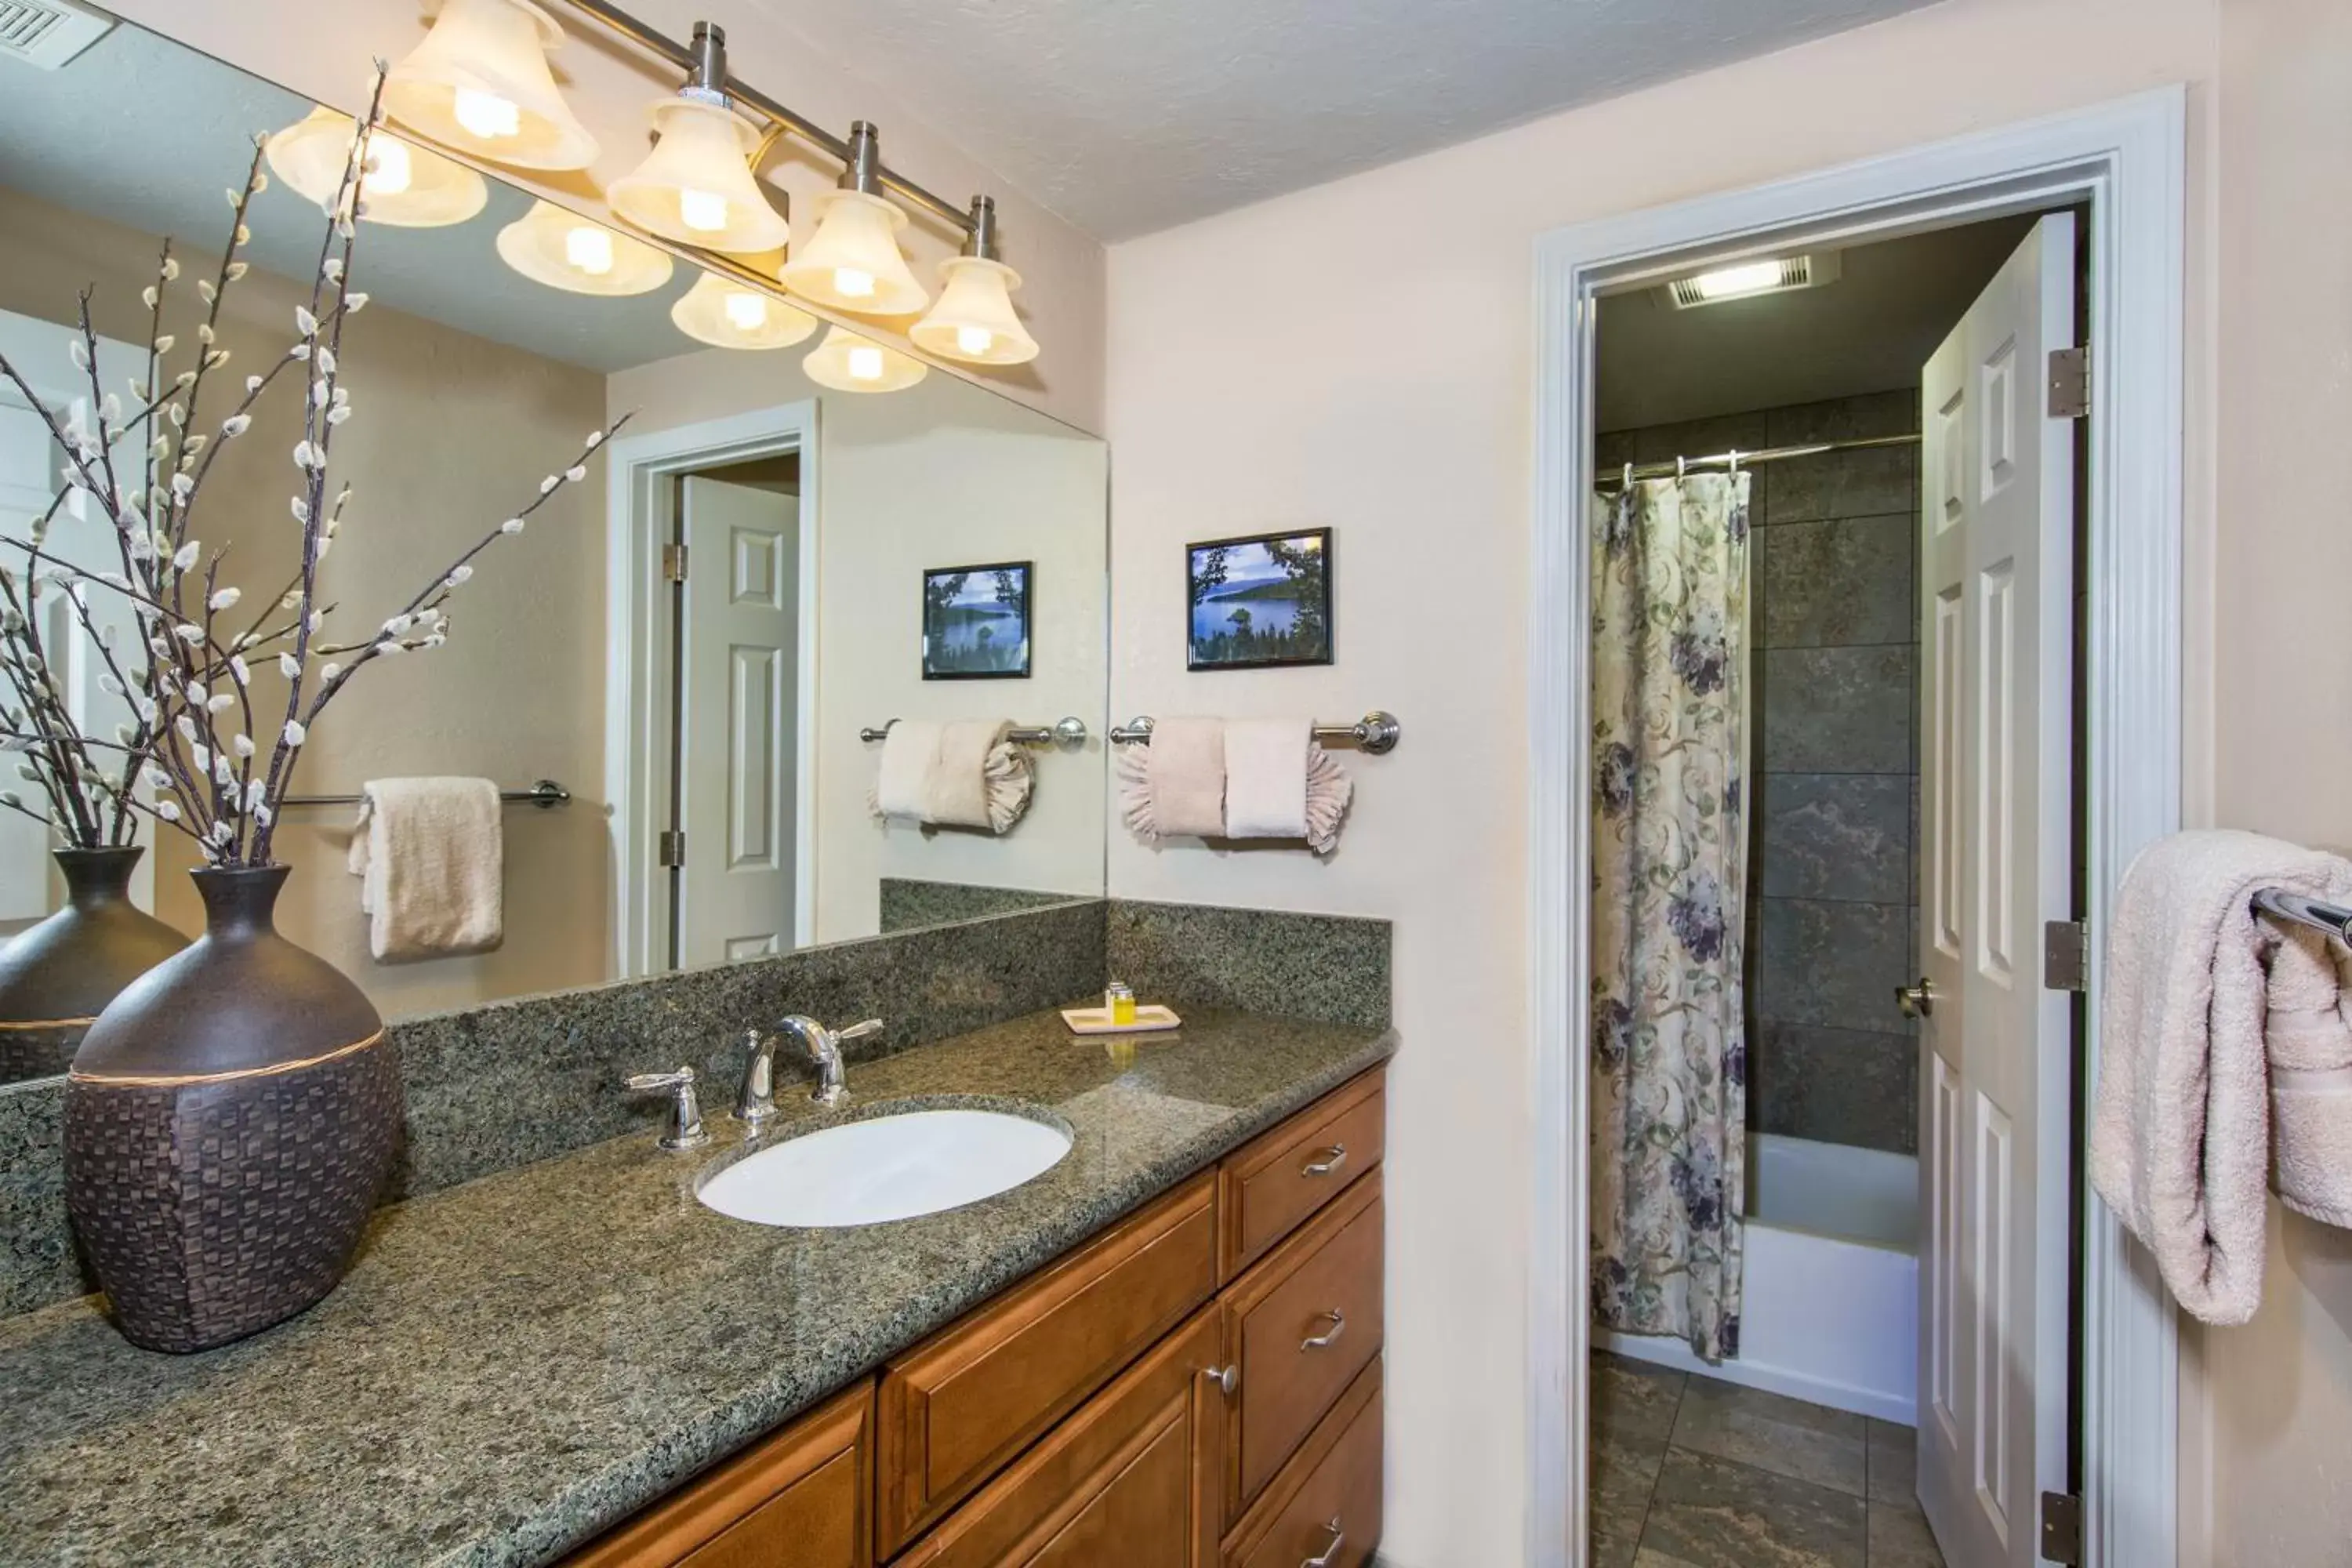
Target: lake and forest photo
976 622
1260 601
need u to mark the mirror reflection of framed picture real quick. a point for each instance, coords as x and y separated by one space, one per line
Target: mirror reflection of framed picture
1260 601
976 622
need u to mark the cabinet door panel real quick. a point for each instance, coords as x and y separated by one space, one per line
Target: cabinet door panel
1327 1501
1274 1184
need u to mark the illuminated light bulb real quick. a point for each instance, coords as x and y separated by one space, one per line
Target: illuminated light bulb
746 309
390 169
486 114
564 251
865 362
703 211
1747 278
726 315
974 320
852 261
588 249
974 340
850 283
847 363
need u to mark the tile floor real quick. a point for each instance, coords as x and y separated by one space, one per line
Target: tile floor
1688 1472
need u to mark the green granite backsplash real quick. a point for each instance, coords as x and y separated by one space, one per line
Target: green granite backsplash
908 902
494 1088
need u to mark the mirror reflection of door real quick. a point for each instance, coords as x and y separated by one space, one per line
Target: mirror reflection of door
735 746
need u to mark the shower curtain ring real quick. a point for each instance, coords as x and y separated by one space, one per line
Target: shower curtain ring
1628 485
1682 469
1734 468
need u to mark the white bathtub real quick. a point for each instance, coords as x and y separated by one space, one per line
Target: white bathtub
1832 1304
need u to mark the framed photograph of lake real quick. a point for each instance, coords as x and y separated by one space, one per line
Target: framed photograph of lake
1258 602
976 622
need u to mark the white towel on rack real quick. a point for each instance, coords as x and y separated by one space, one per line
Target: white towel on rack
430 854
961 773
1266 777
911 751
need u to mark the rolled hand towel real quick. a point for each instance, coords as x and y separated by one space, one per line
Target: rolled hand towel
910 753
1266 777
2181 1130
1176 786
2309 1047
958 793
431 857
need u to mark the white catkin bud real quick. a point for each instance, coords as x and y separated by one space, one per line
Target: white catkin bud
301 509
576 473
304 323
225 598
354 303
328 670
239 668
459 575
596 440
236 270
185 558
167 811
220 702
237 423
294 733
164 345
252 384
241 744
512 525
289 665
148 297
325 359
547 485
171 269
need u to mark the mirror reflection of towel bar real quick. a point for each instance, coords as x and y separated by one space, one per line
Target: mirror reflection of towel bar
1376 732
543 794
1070 732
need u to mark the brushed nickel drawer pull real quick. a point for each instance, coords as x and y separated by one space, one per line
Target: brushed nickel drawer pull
1330 1552
1320 1342
1332 1159
1226 1378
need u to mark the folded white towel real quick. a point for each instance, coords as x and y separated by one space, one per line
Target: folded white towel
1176 786
431 857
1266 777
2180 1133
910 755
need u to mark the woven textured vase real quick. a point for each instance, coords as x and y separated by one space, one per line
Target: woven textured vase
230 1119
59 975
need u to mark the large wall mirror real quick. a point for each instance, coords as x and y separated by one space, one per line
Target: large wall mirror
695 641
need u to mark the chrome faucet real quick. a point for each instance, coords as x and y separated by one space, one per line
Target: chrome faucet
824 1047
683 1129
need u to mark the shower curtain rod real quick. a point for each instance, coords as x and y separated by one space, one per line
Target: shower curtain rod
1614 478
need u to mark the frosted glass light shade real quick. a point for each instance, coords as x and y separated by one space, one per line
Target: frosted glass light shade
695 187
405 186
480 83
973 320
564 251
852 263
847 363
728 315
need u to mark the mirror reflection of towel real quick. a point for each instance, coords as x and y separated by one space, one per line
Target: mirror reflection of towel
431 857
961 773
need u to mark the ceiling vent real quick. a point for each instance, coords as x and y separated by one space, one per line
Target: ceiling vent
1746 280
48 33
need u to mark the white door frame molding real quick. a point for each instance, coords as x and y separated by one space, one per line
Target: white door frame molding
639 503
2127 161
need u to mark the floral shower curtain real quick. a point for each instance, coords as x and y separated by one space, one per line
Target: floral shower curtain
1669 901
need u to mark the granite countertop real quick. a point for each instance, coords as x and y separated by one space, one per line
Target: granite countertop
517 1363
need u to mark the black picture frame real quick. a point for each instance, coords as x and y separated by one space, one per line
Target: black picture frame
1298 560
948 658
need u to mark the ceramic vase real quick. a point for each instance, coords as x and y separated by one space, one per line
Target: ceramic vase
57 977
230 1120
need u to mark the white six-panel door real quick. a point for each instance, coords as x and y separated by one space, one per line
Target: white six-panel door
1996 667
738 721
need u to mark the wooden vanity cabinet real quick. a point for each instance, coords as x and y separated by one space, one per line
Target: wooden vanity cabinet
1197 1387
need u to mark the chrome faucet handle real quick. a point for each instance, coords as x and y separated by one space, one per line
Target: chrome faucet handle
857 1031
684 1130
824 1047
755 1102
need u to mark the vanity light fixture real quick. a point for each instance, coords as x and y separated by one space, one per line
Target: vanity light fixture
480 83
730 315
696 187
564 251
852 263
847 363
973 320
404 186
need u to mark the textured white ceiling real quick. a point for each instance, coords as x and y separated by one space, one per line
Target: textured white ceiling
1127 116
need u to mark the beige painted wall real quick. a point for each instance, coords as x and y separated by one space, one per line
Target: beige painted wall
608 85
2279 1390
942 474
1388 394
451 432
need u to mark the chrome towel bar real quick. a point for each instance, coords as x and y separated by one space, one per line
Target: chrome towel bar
1070 732
2333 918
1375 732
543 794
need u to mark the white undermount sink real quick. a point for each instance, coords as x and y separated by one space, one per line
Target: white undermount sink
886 1168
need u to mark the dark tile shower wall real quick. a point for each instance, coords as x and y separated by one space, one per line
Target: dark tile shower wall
1833 868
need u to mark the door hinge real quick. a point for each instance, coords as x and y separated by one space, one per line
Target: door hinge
2061 1526
2070 383
669 848
673 563
2065 955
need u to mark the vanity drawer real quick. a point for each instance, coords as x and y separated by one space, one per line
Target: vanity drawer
955 1409
799 1496
1131 1478
1275 1181
1325 1506
1301 1326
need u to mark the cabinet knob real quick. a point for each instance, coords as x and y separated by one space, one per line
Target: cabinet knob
1226 1378
1330 1553
1338 1327
1325 1161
